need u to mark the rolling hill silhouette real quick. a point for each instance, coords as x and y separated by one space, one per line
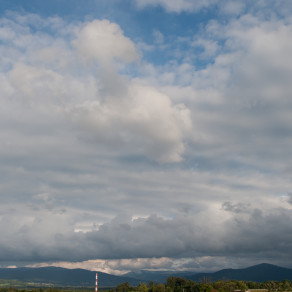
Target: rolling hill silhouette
258 273
63 277
83 278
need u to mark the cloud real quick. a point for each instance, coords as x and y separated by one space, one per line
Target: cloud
103 41
144 118
111 107
116 266
262 9
237 99
177 6
90 130
232 7
235 208
123 238
210 47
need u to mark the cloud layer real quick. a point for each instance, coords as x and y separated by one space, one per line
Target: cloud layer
111 160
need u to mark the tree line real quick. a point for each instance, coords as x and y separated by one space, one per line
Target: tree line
177 284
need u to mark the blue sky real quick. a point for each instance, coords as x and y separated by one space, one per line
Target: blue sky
145 134
141 25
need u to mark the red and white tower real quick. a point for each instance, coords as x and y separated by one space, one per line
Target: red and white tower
96 283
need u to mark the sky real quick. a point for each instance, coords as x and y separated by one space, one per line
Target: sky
145 134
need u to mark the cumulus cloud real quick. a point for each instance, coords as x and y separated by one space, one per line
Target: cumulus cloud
103 41
144 118
248 85
112 108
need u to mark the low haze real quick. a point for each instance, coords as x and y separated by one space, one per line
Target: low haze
146 134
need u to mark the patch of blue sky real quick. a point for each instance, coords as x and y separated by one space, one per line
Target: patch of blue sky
164 38
139 25
46 8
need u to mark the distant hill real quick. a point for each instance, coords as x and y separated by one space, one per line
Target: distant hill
63 277
83 278
258 273
159 277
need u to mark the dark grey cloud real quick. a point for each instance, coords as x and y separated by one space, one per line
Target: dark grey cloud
290 198
236 208
260 235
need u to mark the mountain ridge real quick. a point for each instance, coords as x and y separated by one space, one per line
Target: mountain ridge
57 276
257 273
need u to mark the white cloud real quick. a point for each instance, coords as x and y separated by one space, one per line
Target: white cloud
116 266
240 106
113 108
144 118
103 41
210 47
